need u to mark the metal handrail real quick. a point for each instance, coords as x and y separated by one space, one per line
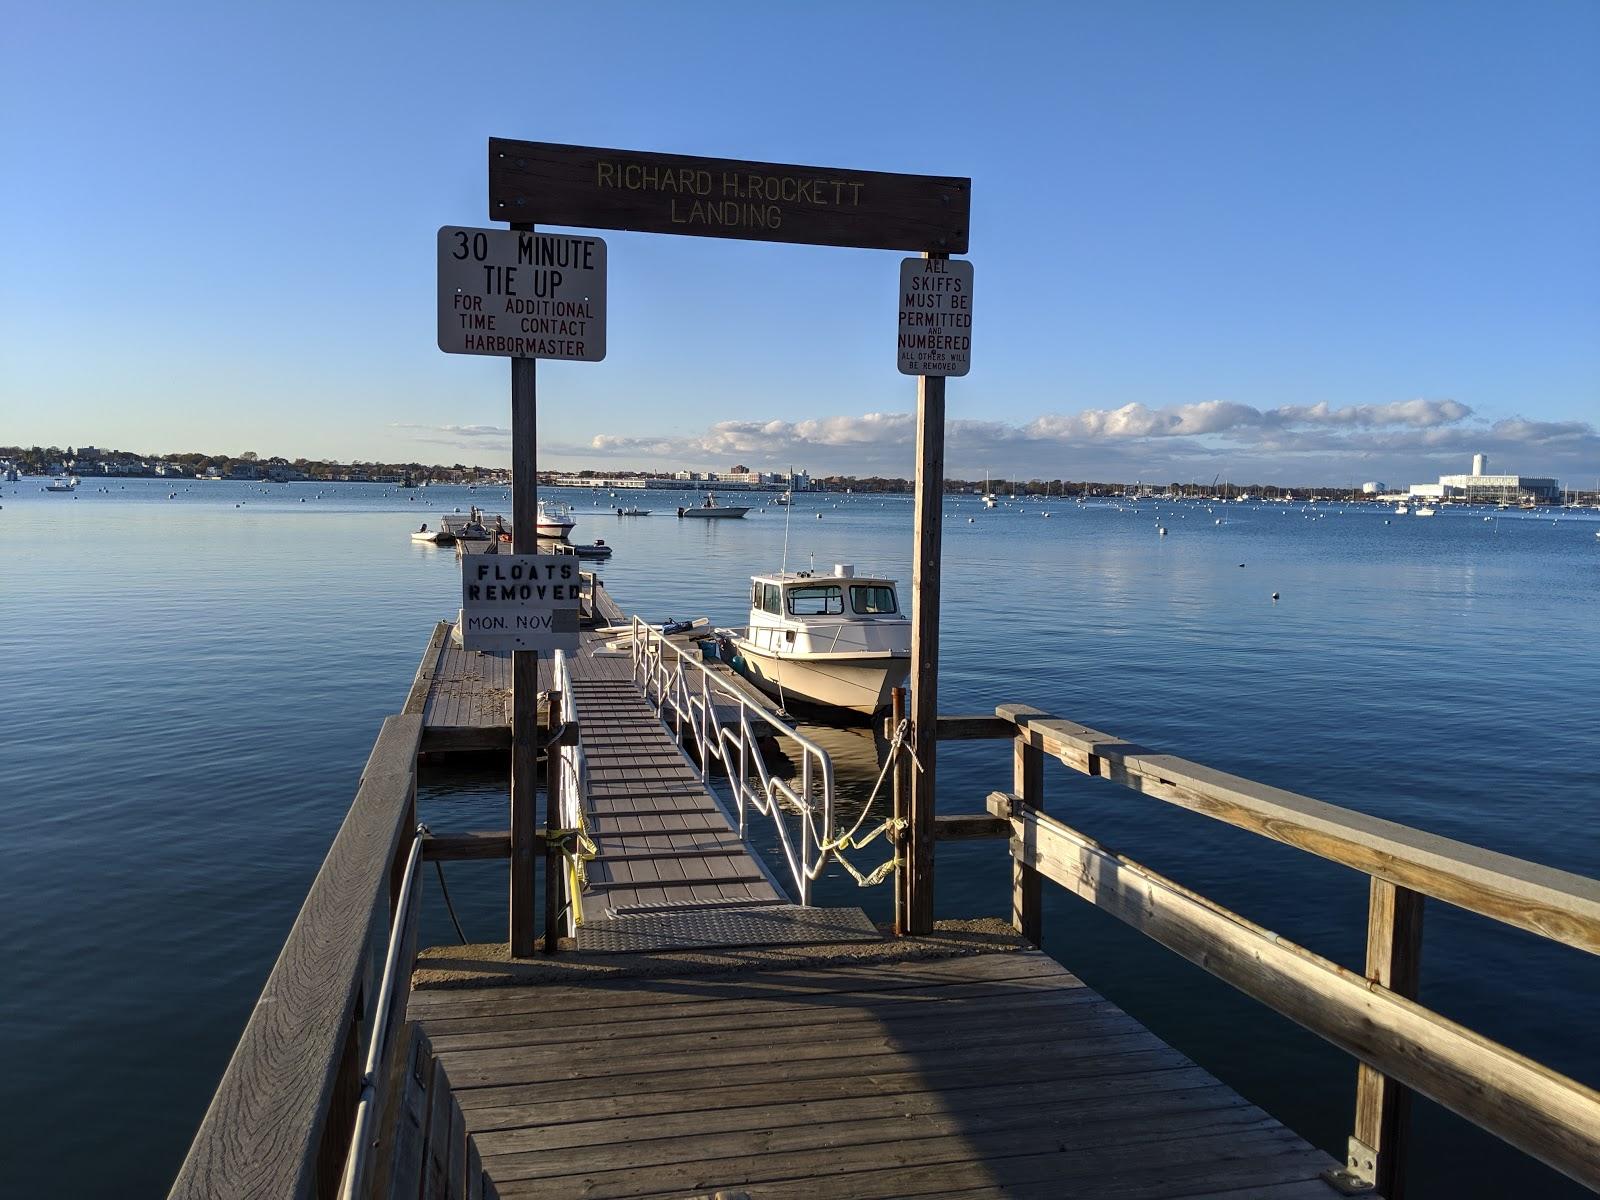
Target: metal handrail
569 775
353 1183
690 691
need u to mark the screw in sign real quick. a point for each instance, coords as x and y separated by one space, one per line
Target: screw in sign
935 316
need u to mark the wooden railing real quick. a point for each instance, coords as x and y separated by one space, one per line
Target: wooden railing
281 1119
1399 1044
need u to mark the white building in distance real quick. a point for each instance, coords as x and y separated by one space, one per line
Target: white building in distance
1480 487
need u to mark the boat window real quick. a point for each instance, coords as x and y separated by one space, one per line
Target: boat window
818 601
755 595
770 601
871 599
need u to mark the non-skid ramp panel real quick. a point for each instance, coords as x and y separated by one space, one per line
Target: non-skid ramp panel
691 929
662 838
988 1074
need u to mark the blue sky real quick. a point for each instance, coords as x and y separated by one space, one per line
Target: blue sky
1305 241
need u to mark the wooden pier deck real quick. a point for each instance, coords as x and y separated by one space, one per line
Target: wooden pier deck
980 1075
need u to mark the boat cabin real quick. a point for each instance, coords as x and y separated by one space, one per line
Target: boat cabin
805 595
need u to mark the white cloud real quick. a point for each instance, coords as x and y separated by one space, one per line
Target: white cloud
1404 439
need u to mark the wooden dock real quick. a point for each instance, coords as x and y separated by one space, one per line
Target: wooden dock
982 1074
704 1037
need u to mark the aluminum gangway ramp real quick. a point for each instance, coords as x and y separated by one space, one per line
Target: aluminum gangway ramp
670 870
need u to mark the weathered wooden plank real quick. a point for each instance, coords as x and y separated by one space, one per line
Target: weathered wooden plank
960 827
1541 1112
927 535
866 1138
472 1069
266 1125
1027 784
786 984
1093 1052
713 1013
400 1174
725 1107
595 187
427 669
1084 1148
777 1028
1383 1107
436 1146
1180 1167
1151 1094
450 847
1555 904
968 727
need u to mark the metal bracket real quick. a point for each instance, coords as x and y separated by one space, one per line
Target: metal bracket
1357 1177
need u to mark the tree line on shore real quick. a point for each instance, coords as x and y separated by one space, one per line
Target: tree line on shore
42 460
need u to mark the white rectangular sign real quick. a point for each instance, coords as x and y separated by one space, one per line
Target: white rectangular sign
522 295
935 316
519 602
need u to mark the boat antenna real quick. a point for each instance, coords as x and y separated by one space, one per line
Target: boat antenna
787 510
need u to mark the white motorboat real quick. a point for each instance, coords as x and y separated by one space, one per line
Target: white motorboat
438 537
1424 511
710 510
555 520
632 511
839 641
1400 510
70 484
11 475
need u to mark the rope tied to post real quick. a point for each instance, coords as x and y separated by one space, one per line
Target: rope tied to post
897 825
578 849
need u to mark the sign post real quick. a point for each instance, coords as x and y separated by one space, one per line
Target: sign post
934 341
523 295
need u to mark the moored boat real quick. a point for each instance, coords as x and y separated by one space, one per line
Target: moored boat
837 641
70 484
438 537
710 510
555 520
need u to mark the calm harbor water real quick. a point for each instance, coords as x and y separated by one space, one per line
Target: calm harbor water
189 687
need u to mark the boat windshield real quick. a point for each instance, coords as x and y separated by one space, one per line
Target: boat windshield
817 600
872 599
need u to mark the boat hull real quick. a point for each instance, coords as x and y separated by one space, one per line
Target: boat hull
858 683
712 514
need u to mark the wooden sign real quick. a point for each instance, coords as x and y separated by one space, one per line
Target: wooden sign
594 188
520 602
935 335
522 295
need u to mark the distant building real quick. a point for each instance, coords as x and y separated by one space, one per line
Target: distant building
1480 487
737 480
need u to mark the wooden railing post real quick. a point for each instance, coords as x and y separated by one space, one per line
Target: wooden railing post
1027 784
899 784
1383 1107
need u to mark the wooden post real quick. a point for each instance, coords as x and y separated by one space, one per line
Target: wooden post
899 784
1027 783
1383 1107
925 648
524 663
